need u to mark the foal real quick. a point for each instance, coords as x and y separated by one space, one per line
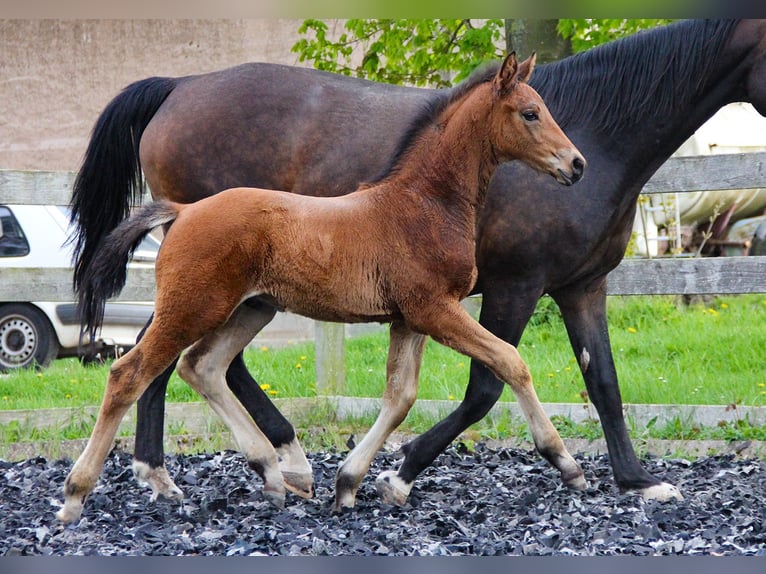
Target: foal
399 251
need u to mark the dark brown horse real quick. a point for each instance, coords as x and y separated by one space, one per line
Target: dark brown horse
627 105
401 250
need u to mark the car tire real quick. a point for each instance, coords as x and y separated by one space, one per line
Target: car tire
27 338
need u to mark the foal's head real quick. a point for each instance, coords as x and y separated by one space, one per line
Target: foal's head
524 128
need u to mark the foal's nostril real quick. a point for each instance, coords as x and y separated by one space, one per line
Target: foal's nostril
578 166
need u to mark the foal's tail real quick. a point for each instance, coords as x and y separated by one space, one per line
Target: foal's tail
106 274
109 182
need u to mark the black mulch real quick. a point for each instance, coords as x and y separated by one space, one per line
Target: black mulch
487 502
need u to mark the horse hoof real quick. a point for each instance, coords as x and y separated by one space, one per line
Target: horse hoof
392 489
275 498
577 483
344 500
662 492
158 480
69 512
299 483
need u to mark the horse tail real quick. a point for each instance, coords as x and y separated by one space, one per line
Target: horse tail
107 271
109 181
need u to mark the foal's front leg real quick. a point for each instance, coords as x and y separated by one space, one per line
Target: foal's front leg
451 325
405 354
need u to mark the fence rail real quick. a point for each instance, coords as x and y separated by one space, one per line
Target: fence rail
685 276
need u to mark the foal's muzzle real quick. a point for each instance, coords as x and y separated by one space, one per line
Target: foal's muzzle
577 168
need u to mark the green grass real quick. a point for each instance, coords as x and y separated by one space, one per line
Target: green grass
664 352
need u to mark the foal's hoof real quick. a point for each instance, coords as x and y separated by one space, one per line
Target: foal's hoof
299 483
158 480
70 511
275 498
344 500
295 468
577 482
391 488
662 492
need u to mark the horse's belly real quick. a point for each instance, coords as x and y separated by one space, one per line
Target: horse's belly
338 306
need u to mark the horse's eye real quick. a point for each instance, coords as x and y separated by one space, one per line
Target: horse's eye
530 116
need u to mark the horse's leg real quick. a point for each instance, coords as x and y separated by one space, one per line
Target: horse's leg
204 367
128 378
451 325
293 464
149 457
504 313
149 454
402 367
584 313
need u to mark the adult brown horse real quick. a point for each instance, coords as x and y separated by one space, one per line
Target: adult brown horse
401 250
627 105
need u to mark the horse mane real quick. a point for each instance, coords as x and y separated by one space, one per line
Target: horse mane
428 114
609 87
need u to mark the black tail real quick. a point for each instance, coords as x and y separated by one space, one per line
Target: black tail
107 271
109 182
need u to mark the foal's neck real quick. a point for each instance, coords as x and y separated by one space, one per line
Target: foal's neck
454 159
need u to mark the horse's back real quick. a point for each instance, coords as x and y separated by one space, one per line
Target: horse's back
275 127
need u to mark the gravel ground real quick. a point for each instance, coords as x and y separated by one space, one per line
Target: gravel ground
488 502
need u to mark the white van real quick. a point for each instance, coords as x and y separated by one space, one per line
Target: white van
34 333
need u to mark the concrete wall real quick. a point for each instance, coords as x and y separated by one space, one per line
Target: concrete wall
57 75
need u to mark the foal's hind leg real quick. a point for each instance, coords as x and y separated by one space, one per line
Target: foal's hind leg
405 354
204 366
452 326
128 377
148 464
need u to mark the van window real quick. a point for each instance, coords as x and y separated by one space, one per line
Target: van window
13 243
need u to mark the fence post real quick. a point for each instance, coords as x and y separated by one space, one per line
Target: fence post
330 357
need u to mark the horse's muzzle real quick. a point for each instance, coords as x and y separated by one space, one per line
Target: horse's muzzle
577 170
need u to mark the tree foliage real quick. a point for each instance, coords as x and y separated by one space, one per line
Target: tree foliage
418 52
433 52
590 32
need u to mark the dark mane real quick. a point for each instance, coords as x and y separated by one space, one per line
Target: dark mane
609 87
431 110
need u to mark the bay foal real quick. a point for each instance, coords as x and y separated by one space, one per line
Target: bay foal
401 250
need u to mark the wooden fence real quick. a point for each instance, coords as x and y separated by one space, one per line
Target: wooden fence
687 276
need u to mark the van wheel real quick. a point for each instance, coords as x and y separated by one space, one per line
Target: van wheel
27 338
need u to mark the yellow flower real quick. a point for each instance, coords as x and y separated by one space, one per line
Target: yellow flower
451 398
297 365
724 305
264 348
762 385
712 311
265 386
303 357
39 375
68 396
460 365
273 392
632 330
550 375
5 397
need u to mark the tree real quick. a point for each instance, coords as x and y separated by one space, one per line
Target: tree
440 53
417 52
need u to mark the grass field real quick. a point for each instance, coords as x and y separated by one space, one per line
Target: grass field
665 352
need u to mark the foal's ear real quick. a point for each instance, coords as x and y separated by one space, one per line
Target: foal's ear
526 68
505 79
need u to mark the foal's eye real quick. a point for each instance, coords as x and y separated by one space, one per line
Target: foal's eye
530 116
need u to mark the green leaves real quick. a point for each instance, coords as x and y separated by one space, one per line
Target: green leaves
590 32
434 52
431 52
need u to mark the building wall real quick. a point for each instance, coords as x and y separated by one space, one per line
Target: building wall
57 75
